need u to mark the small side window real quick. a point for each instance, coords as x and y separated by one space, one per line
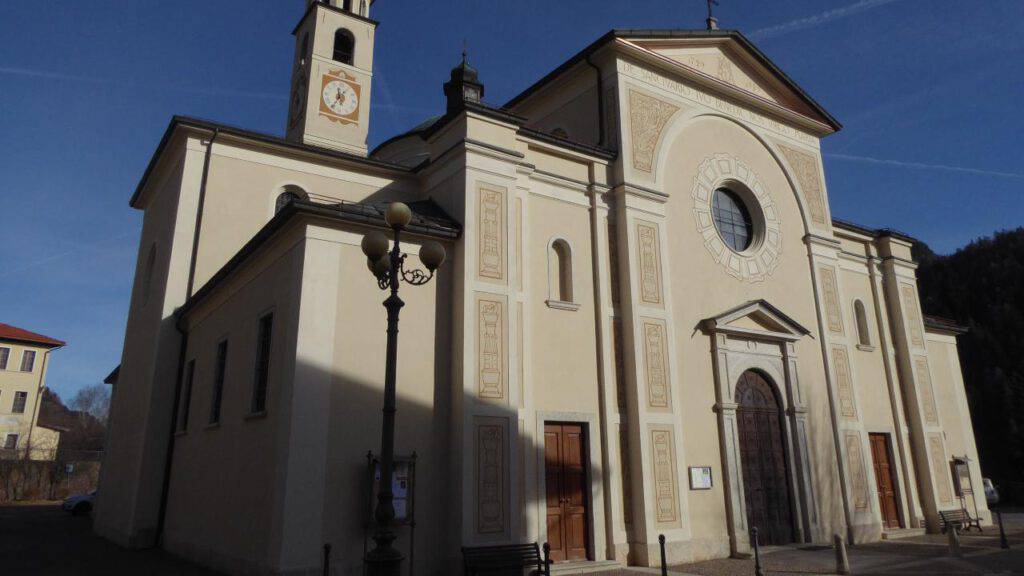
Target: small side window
560 271
863 333
287 195
261 373
186 396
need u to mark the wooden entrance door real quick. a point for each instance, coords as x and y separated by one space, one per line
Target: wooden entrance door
885 480
565 479
763 457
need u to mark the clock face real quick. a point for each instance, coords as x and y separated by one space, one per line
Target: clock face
340 97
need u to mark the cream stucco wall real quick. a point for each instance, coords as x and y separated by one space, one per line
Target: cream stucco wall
41 442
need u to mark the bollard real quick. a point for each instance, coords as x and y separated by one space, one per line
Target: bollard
1003 542
327 559
842 560
758 571
664 564
547 559
953 532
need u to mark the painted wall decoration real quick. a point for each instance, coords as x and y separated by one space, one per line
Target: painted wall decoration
925 391
491 237
666 499
492 354
648 117
760 260
805 167
830 293
858 474
490 453
940 467
656 364
844 383
913 315
648 246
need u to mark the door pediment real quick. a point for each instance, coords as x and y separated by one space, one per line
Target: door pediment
757 319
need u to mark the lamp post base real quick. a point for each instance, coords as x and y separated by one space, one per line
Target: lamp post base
384 561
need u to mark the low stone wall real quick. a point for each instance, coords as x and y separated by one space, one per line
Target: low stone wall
35 480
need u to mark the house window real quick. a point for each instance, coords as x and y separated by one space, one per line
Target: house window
344 46
5 354
11 442
560 271
186 396
28 360
218 381
20 399
262 370
863 336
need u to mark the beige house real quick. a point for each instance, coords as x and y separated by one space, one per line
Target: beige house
24 358
649 323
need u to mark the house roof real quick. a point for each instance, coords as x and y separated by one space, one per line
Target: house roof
669 34
8 332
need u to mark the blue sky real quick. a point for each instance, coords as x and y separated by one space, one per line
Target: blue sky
929 92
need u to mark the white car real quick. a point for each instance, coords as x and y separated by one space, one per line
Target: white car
79 504
991 494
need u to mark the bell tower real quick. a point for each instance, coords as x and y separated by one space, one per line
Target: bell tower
330 90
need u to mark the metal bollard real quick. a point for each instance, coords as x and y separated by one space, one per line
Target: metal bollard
1003 542
547 559
327 559
664 564
953 532
758 571
842 560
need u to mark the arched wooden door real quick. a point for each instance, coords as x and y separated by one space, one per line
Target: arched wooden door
763 457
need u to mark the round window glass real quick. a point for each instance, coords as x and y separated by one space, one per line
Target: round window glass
732 219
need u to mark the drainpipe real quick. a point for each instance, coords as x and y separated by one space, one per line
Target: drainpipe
600 102
199 214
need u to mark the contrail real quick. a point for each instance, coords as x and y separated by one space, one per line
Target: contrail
817 19
922 166
78 249
114 82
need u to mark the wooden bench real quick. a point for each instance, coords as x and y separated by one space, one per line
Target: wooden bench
511 559
960 517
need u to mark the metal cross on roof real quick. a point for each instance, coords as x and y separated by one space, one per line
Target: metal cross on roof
710 3
712 21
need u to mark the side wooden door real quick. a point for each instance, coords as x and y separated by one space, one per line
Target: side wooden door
565 479
885 480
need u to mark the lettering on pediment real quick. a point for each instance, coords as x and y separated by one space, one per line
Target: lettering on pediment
925 391
858 474
656 364
723 68
844 383
492 233
647 119
649 261
912 314
940 471
490 455
492 354
805 168
666 499
830 293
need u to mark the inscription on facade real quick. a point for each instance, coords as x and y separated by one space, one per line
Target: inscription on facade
858 474
830 293
490 478
647 119
666 501
491 240
805 168
492 376
925 391
940 469
912 314
844 383
649 262
656 364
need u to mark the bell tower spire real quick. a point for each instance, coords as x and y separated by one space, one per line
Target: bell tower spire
331 74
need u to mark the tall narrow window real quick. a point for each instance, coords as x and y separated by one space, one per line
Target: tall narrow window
262 371
344 46
28 360
561 271
863 336
147 273
186 396
5 355
346 5
11 442
218 381
20 399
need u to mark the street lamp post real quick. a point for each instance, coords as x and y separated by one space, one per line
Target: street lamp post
389 269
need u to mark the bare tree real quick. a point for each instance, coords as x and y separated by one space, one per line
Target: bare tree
94 400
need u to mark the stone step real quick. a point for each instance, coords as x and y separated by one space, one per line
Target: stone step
896 534
587 567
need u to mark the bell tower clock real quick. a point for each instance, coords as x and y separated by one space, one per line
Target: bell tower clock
333 66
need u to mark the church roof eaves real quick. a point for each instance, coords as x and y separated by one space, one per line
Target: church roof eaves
874 232
944 325
228 130
655 34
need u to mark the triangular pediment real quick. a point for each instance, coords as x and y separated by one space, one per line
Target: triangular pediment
756 318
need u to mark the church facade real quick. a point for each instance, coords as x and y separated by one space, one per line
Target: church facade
649 323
